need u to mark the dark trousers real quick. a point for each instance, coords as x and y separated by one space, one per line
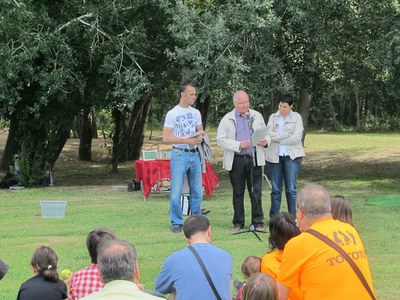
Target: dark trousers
243 172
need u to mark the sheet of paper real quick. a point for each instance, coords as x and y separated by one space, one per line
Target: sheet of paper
197 133
258 135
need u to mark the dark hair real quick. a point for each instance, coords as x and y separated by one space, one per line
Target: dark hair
260 286
3 269
44 261
117 260
183 88
282 227
250 266
195 224
341 210
95 238
286 99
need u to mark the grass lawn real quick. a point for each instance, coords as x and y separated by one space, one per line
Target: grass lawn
358 166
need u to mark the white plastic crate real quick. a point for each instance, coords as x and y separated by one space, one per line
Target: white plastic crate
53 208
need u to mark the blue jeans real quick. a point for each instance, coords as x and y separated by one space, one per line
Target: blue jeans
286 170
185 164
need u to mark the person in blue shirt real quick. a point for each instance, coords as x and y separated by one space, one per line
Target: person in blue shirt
3 269
181 272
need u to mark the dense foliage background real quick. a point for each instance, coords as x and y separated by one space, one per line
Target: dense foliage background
114 67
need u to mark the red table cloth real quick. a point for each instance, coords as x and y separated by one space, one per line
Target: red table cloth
149 172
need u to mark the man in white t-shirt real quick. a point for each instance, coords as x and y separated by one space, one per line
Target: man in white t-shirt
181 124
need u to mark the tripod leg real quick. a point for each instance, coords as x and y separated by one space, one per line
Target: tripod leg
266 178
255 233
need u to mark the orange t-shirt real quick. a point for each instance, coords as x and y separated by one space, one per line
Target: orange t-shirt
270 264
319 270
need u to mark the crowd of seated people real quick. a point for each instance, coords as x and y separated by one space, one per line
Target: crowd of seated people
297 265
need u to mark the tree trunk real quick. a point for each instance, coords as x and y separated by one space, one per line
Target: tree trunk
12 145
60 140
117 116
203 106
333 113
133 126
85 143
271 108
77 129
358 107
137 137
93 114
304 108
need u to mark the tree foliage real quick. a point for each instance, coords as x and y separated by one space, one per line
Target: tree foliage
59 59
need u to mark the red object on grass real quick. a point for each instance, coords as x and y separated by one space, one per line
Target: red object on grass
149 172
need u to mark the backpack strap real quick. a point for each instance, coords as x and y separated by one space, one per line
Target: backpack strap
203 267
346 257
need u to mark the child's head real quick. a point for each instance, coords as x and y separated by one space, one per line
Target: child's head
44 262
282 227
341 209
260 286
250 266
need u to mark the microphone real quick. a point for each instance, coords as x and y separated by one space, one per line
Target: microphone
248 119
248 116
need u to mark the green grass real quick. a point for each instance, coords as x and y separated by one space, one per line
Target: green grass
358 166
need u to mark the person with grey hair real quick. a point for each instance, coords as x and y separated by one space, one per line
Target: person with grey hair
119 271
243 159
323 260
182 272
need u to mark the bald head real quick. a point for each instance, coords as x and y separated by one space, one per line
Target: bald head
314 201
241 102
239 95
117 261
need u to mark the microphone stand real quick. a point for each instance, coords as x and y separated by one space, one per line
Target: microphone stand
252 227
252 151
253 230
251 143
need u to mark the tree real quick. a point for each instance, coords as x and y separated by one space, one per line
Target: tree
38 87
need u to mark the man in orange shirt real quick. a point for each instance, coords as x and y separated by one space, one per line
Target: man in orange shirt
317 268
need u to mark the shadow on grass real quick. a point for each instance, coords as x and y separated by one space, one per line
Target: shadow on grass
99 173
334 165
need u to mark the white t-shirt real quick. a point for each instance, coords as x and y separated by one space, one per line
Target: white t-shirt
183 120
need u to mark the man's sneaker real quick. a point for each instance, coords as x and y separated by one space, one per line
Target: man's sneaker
260 227
205 211
176 228
236 228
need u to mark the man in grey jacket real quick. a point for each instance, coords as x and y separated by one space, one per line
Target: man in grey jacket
242 159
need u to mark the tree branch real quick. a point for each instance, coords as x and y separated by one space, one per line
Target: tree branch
78 19
17 3
226 49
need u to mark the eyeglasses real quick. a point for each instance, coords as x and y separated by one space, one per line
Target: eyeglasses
241 102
